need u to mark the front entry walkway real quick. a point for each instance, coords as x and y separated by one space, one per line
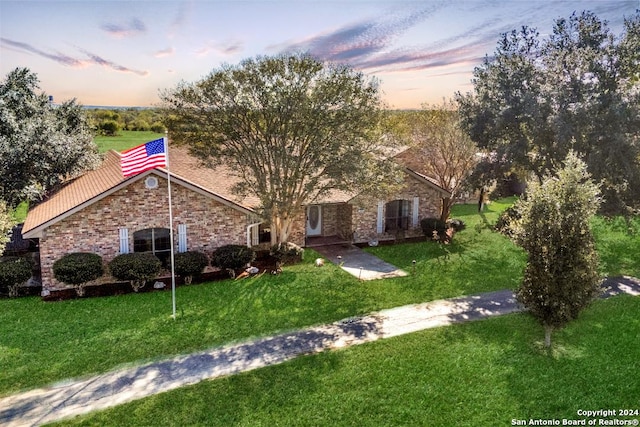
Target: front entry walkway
359 263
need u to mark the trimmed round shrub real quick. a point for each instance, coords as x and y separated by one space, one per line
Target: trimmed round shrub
433 228
136 268
286 253
14 271
189 264
77 269
232 257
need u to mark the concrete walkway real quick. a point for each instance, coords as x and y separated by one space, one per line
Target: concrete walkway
77 397
359 263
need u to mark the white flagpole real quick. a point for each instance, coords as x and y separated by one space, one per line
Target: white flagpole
173 269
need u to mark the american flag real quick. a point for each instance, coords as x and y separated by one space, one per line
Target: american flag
143 157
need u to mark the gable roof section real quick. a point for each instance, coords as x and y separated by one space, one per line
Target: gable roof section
99 183
429 182
80 190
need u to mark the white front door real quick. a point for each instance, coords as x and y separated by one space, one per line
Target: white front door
314 220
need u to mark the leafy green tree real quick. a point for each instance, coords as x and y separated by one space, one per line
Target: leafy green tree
6 224
40 145
109 128
561 276
291 127
441 149
535 100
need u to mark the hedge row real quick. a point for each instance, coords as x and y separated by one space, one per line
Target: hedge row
80 268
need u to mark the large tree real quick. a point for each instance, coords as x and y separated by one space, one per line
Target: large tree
536 99
6 224
441 149
291 127
40 145
561 276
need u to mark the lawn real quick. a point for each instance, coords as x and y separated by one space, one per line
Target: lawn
125 139
618 245
43 342
484 373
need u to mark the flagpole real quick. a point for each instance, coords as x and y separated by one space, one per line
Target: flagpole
173 269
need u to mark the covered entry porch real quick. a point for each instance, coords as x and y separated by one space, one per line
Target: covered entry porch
328 223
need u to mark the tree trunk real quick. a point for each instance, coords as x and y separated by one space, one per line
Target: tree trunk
481 200
447 202
80 290
547 335
280 229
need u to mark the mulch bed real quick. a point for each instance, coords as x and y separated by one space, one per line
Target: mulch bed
263 261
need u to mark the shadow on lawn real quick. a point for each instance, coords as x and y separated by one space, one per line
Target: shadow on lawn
78 397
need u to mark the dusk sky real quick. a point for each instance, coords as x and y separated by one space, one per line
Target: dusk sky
117 53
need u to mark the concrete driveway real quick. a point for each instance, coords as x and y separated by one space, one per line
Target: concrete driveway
359 263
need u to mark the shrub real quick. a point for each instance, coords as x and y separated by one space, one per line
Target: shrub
232 257
14 271
136 268
286 252
109 128
507 220
77 269
189 264
157 127
434 228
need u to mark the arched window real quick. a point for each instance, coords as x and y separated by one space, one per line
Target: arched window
154 240
396 215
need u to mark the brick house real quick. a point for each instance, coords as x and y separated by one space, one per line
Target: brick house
104 213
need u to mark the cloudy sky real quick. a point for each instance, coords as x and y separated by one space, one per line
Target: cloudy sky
122 53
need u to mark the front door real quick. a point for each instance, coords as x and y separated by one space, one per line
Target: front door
314 220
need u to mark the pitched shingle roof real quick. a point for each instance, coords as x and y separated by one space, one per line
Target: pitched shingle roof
107 178
76 192
185 169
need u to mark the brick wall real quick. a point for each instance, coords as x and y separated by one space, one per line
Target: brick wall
365 211
329 220
209 224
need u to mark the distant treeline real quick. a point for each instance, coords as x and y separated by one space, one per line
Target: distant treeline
111 121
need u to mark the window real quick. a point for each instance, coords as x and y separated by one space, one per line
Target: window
151 182
154 240
396 215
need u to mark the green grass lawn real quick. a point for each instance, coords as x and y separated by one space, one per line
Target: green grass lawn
44 342
20 212
125 139
618 245
484 373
